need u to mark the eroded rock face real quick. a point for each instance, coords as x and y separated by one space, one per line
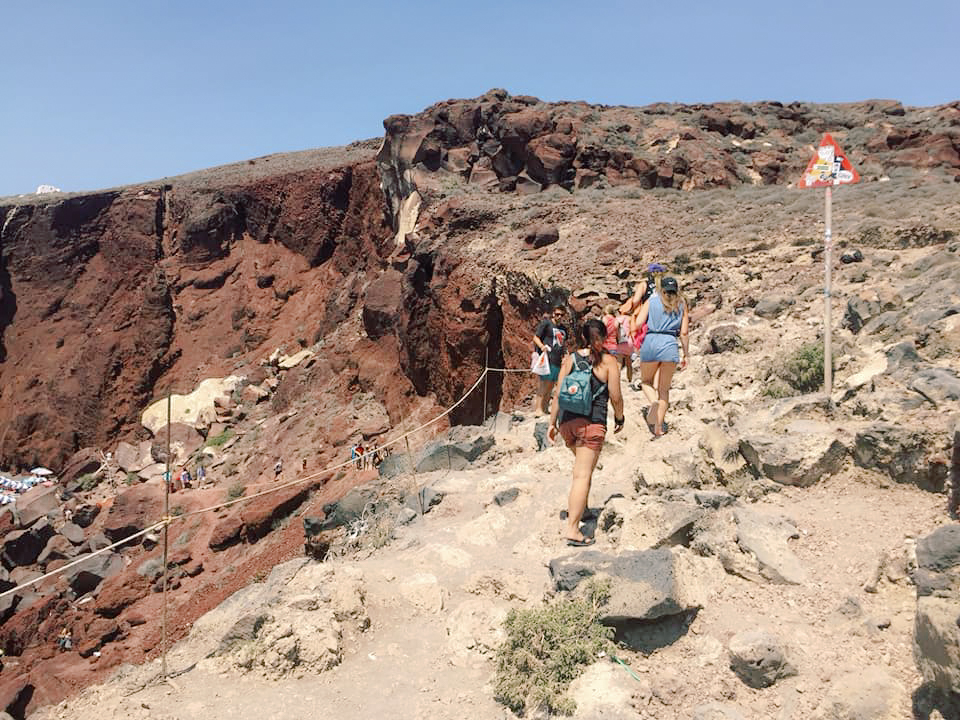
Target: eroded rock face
936 645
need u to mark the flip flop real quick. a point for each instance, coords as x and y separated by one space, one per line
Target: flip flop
586 542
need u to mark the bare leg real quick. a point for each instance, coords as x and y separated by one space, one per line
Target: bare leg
648 375
544 396
663 389
584 461
629 363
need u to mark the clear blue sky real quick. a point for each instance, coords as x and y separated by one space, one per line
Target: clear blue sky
100 93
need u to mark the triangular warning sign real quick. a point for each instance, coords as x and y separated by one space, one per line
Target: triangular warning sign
829 166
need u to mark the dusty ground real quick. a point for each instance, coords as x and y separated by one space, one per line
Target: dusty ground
409 665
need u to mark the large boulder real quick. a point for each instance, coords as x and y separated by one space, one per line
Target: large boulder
260 514
383 302
866 693
765 538
184 441
134 458
35 503
82 462
803 453
133 510
759 658
906 454
186 409
645 584
87 575
936 643
462 445
23 547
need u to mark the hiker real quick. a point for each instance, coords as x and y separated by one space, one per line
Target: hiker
359 456
550 337
201 474
617 341
666 317
185 478
583 432
377 455
277 469
65 640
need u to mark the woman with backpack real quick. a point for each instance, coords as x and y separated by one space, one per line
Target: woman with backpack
589 379
665 314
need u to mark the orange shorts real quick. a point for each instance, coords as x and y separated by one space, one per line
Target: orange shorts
580 432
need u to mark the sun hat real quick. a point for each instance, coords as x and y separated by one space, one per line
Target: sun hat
669 284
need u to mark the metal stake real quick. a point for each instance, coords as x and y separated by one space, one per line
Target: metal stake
828 259
166 514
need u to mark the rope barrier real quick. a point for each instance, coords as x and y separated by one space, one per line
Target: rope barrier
168 520
84 558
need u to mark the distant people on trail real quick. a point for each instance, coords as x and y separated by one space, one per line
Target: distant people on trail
277 469
358 454
550 337
617 341
665 313
201 474
185 478
377 454
583 432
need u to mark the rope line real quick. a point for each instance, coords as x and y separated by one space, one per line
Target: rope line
84 558
169 519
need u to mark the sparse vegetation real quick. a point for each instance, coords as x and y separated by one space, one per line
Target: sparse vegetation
89 481
221 439
801 371
177 510
236 491
131 479
548 647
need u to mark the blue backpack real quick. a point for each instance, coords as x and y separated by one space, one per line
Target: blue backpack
574 394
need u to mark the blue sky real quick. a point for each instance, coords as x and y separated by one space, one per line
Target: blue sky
101 93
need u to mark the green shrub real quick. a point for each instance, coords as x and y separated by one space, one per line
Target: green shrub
89 481
546 648
131 479
177 511
801 371
236 491
220 439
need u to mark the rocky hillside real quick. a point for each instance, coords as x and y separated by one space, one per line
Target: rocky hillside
351 294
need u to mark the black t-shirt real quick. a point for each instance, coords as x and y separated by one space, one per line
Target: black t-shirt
555 338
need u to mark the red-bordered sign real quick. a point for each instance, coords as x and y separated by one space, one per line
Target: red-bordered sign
829 166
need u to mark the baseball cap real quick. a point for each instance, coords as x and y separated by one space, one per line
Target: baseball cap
669 284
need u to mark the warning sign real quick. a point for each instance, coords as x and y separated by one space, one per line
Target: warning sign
829 166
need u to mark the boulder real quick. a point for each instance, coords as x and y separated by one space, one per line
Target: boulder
184 441
801 455
120 592
82 462
260 514
97 634
351 507
717 711
85 514
72 532
938 385
462 445
759 658
382 304
86 576
57 548
771 307
134 458
651 522
185 409
936 642
23 547
35 503
867 693
541 235
227 531
133 510
765 537
724 338
645 584
905 454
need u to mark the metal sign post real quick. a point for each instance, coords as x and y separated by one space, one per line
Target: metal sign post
827 168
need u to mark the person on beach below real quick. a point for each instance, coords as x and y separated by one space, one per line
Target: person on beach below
550 337
666 317
584 433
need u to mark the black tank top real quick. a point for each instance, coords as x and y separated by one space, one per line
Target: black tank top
598 412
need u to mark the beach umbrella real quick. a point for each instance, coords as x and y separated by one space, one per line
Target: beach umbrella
41 471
